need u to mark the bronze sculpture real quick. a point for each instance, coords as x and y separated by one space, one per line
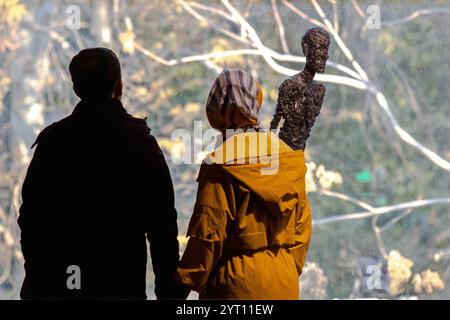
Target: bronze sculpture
300 97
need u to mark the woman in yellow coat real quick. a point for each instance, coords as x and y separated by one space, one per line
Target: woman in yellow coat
251 226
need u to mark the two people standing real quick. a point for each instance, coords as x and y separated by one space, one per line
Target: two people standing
98 188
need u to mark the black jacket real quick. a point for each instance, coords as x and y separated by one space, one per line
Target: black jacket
97 187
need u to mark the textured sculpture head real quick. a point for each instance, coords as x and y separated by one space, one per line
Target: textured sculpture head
315 44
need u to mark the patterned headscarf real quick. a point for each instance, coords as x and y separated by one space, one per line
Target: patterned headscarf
234 100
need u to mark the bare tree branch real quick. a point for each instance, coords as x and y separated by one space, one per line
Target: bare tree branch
195 58
207 22
381 99
363 84
382 210
396 219
358 9
5 247
348 198
378 238
406 137
280 25
302 14
266 54
335 15
274 54
212 10
340 42
415 15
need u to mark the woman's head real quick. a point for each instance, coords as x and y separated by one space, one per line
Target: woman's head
234 100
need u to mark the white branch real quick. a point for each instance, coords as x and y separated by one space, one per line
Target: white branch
339 41
195 58
358 9
207 22
212 10
329 78
406 137
302 14
276 55
345 197
381 99
382 210
266 54
280 25
415 15
291 58
359 81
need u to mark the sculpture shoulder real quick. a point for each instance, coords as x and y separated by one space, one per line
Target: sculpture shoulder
319 87
292 85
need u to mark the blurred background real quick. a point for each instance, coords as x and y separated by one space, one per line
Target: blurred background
378 156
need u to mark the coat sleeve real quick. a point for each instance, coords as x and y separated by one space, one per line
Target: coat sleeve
160 218
302 234
34 190
207 232
34 185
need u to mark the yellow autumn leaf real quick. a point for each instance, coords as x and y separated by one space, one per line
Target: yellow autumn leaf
220 45
176 110
126 39
12 11
399 270
192 107
427 282
142 91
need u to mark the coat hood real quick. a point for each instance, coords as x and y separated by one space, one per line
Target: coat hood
234 100
265 165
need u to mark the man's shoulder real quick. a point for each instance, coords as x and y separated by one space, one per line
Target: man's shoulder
139 125
53 130
137 129
138 134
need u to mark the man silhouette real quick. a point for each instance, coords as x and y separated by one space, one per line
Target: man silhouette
97 186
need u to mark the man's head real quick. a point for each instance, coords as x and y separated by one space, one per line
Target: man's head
315 44
96 74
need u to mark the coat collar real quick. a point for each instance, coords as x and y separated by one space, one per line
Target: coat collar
108 104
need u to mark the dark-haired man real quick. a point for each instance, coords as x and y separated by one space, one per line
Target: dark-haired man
97 187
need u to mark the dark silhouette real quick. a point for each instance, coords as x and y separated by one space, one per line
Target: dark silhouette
97 187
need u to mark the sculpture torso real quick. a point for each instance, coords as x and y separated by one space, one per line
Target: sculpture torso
299 103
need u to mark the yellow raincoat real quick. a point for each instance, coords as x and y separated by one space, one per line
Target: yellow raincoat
251 226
